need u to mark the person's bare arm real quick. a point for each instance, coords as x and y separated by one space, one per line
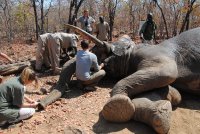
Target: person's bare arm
6 57
27 105
101 65
29 100
31 103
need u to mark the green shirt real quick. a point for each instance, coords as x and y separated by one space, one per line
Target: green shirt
11 97
148 30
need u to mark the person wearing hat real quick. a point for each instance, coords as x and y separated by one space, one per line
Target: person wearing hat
102 29
86 21
147 32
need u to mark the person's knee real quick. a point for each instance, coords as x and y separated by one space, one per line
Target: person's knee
27 111
102 72
32 111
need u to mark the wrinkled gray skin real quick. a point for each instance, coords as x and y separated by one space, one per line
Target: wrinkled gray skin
146 67
140 69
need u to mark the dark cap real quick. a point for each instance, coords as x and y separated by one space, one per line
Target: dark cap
149 16
101 19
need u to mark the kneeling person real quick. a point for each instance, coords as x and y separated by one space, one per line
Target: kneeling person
85 61
12 106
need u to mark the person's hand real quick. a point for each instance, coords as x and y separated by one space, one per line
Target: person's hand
101 65
34 104
29 100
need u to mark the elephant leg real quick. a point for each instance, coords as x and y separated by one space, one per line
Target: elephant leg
189 79
67 71
165 93
145 79
156 114
120 108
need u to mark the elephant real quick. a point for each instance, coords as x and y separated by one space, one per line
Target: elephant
149 76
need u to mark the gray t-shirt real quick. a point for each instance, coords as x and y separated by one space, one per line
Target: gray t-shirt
11 97
86 23
85 60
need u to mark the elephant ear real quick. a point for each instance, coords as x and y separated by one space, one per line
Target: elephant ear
120 48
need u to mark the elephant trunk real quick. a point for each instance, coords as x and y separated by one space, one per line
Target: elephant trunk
67 71
84 34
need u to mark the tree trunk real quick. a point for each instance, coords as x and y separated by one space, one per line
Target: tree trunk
42 17
163 16
185 25
74 5
59 4
111 8
36 19
8 25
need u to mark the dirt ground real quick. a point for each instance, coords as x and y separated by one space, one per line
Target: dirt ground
81 111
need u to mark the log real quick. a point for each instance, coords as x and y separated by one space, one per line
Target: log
15 67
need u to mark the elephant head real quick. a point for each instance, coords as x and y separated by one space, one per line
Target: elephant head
101 49
112 54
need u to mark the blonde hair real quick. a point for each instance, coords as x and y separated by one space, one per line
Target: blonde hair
29 75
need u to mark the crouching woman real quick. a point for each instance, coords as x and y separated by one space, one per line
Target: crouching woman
12 106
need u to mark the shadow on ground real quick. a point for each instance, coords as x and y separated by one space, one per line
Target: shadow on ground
103 126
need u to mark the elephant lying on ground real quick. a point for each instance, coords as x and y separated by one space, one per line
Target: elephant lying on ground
140 69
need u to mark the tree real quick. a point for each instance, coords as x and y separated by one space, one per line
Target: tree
73 10
186 22
112 5
163 16
6 6
36 19
43 15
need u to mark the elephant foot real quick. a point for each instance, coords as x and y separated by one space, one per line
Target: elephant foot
161 118
118 109
174 96
156 114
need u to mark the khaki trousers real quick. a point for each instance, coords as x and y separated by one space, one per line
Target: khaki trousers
54 52
41 55
94 78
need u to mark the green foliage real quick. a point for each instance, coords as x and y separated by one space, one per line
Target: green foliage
22 14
